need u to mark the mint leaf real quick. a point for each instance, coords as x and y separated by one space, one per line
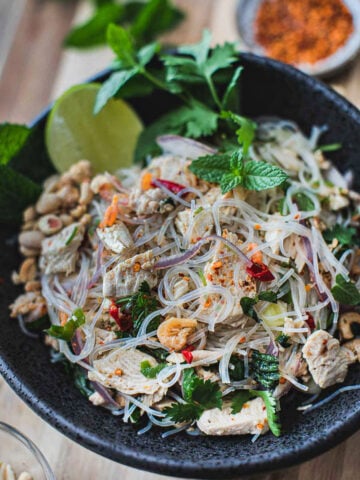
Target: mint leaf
111 87
67 331
211 168
93 32
261 176
246 132
151 372
238 401
265 369
16 193
283 340
122 44
344 235
12 139
183 412
345 291
230 181
271 405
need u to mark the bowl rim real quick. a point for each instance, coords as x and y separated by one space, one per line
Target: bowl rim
30 445
177 468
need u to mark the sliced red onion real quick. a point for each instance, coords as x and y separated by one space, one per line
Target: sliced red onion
272 349
183 147
184 257
104 392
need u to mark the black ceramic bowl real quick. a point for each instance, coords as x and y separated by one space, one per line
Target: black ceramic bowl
268 88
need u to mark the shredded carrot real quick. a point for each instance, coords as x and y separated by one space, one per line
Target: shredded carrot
63 318
260 426
217 265
136 267
187 279
257 226
308 287
207 303
242 339
110 213
258 256
146 181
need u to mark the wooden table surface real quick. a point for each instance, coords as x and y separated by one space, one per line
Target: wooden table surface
34 69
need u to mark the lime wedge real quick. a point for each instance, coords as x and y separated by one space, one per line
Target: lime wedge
74 133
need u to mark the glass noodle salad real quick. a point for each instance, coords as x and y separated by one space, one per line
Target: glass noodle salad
197 291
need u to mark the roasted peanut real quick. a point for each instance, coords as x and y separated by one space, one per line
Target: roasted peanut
174 332
86 219
99 182
31 239
69 195
80 171
29 214
48 203
27 271
86 194
32 286
51 183
78 211
66 219
50 224
31 225
29 252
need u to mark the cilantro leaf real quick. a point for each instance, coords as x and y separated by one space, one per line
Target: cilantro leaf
206 393
345 291
195 120
199 51
67 331
183 412
246 132
12 139
151 372
231 87
93 32
112 86
238 401
271 405
261 176
189 377
344 235
236 370
222 56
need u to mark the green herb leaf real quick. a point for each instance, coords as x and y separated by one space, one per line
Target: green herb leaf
304 203
67 331
183 412
112 87
247 305
268 296
231 87
122 44
16 193
283 340
206 393
265 369
147 53
12 139
92 33
246 132
344 235
71 236
236 368
151 372
271 405
211 168
139 306
261 176
239 399
330 147
230 181
345 291
189 377
194 121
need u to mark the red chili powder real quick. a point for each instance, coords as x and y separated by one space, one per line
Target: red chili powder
302 31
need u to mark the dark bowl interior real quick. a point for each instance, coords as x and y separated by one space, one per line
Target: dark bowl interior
268 88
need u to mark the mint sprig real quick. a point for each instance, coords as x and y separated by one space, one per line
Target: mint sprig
232 171
345 291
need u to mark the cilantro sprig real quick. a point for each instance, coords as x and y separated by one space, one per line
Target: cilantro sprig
199 395
67 331
344 235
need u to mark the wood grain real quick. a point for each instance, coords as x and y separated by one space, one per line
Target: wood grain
35 69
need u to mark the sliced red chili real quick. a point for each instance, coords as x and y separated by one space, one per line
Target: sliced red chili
114 312
123 320
186 353
172 186
310 321
260 271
